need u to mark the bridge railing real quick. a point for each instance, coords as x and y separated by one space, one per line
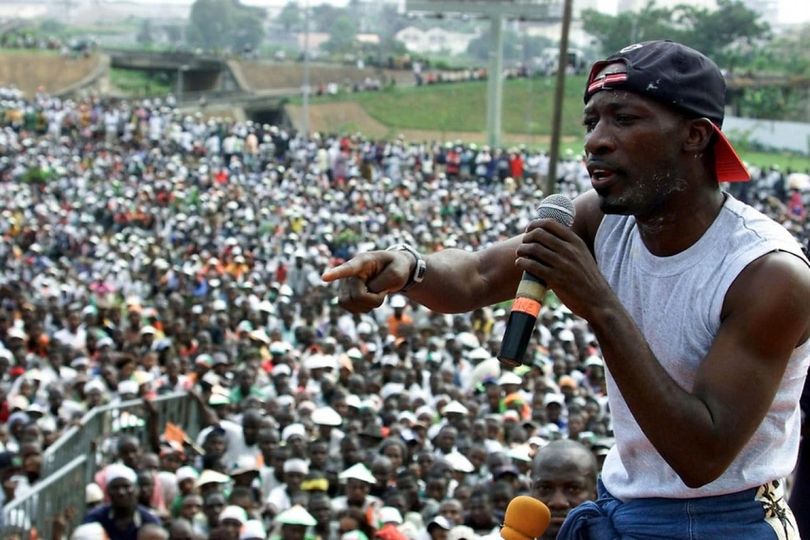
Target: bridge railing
71 462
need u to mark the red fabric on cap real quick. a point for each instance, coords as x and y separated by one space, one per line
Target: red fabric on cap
727 164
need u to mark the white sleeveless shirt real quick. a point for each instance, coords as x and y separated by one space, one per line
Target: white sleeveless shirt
676 303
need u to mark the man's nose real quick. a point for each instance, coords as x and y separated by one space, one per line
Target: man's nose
558 500
599 140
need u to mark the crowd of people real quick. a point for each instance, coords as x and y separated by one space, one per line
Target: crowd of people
145 251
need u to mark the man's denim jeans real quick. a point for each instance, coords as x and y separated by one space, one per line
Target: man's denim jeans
753 514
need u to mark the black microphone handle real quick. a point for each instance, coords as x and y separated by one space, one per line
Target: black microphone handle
522 318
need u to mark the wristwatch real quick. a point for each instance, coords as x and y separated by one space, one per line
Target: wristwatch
419 269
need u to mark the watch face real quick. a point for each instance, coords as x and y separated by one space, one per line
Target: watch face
421 268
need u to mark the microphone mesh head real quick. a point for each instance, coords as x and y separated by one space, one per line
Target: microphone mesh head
557 207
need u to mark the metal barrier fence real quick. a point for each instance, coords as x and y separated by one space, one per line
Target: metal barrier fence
35 510
71 462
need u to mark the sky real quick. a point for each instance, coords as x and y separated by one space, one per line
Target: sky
790 11
794 11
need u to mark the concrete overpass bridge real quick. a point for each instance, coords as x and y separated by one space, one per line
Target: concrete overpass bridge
265 106
194 72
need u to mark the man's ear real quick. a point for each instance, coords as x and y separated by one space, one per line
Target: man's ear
699 136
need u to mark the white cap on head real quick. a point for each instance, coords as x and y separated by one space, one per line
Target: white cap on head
462 532
186 473
244 464
352 400
16 332
89 531
539 442
565 335
209 476
116 470
391 389
296 515
459 462
455 407
441 522
295 465
253 529
364 328
509 377
236 513
293 430
93 493
479 353
594 361
280 369
520 453
389 514
326 416
468 340
358 471
128 387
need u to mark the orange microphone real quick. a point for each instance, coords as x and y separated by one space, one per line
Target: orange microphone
526 518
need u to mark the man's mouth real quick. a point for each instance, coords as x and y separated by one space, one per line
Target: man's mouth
601 176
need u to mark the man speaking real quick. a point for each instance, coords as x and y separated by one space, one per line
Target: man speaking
699 303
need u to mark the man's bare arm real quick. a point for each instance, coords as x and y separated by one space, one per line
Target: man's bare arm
456 280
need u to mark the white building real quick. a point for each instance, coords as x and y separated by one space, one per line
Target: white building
637 5
434 40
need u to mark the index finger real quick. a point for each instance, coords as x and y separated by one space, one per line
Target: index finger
351 268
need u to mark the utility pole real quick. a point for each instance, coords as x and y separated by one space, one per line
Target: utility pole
496 11
495 82
305 100
559 92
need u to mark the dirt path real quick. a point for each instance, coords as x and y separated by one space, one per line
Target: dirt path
351 117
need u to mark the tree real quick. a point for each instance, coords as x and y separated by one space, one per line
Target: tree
174 33
726 34
342 34
789 53
225 24
323 16
291 17
615 32
389 21
248 31
52 26
145 36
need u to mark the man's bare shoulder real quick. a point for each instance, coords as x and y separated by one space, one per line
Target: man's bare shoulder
777 282
588 217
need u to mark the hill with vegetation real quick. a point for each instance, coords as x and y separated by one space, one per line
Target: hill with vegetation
29 70
447 112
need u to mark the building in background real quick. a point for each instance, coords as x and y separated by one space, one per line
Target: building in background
435 40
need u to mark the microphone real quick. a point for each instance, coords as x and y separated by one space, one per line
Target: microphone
532 290
526 518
